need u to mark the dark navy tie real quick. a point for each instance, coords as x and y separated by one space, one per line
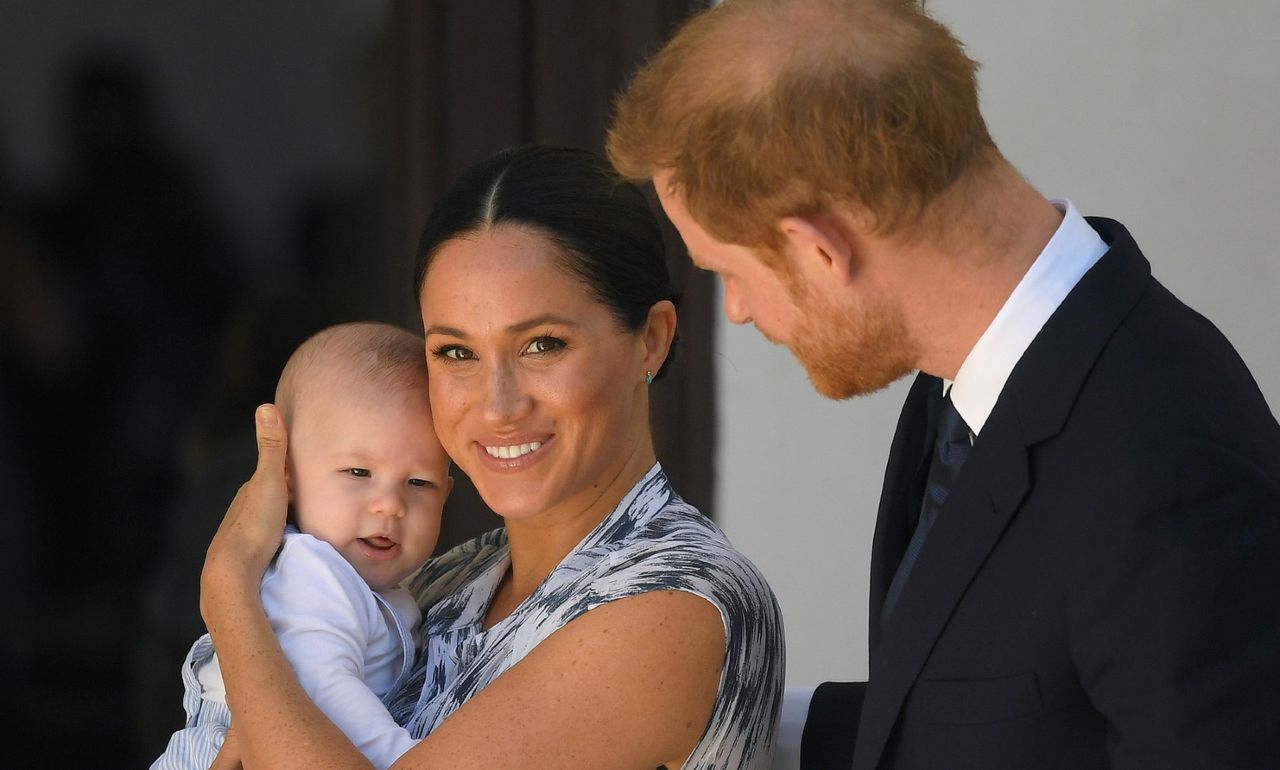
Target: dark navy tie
950 449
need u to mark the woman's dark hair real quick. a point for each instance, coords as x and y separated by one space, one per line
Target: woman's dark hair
607 234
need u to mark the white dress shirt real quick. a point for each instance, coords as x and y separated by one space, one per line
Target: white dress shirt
1074 248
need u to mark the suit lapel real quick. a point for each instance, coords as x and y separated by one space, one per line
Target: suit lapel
907 457
1033 406
976 512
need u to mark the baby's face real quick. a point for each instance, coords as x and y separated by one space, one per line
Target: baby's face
369 477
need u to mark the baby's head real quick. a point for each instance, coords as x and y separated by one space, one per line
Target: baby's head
366 472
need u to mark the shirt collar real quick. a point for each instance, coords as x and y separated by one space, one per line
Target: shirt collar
1074 248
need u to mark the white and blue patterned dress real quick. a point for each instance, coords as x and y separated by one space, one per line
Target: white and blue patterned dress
653 541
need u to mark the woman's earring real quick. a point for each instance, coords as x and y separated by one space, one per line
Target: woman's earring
648 378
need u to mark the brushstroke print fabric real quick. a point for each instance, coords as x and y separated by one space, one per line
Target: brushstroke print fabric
653 541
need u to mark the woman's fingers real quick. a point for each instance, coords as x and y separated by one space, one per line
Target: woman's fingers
257 515
272 444
267 500
228 757
254 524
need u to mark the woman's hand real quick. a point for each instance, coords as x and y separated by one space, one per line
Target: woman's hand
228 757
251 531
277 724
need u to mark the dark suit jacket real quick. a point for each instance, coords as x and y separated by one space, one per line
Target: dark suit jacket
1102 587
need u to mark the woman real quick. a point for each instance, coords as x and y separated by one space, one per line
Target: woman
608 624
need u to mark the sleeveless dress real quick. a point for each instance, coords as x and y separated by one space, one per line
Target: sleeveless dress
653 541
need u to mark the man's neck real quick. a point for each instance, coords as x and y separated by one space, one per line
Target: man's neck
954 285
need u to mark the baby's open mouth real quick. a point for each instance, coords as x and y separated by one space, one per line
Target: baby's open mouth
380 543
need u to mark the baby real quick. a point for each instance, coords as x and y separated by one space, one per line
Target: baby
367 481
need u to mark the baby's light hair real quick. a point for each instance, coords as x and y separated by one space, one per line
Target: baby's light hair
360 356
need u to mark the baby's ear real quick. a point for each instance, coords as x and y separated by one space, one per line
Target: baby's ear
448 486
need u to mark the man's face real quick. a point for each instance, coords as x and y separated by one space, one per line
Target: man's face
753 291
850 339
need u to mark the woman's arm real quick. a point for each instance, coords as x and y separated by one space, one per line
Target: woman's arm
628 684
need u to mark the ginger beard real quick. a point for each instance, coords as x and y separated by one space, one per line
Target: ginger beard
851 339
847 351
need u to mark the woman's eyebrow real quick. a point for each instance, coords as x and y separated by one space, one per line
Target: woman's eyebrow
542 320
448 331
522 326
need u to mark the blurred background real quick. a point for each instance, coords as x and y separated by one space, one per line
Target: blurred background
187 190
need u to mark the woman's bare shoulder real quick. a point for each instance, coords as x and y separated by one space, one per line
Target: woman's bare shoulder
632 681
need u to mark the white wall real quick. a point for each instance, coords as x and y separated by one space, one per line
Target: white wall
1160 113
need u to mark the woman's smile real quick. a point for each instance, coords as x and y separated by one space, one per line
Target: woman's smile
511 456
512 451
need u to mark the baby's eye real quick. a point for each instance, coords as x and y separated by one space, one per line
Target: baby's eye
544 344
362 473
420 483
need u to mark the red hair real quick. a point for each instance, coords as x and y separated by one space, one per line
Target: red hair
762 109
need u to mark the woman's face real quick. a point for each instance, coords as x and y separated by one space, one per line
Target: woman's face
537 392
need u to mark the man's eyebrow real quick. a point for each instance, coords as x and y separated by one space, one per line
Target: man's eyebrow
522 326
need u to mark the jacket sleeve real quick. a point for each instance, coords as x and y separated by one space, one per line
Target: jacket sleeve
1175 624
831 727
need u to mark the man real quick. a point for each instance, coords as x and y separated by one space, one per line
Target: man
1078 544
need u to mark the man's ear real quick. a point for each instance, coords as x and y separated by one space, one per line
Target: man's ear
821 241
